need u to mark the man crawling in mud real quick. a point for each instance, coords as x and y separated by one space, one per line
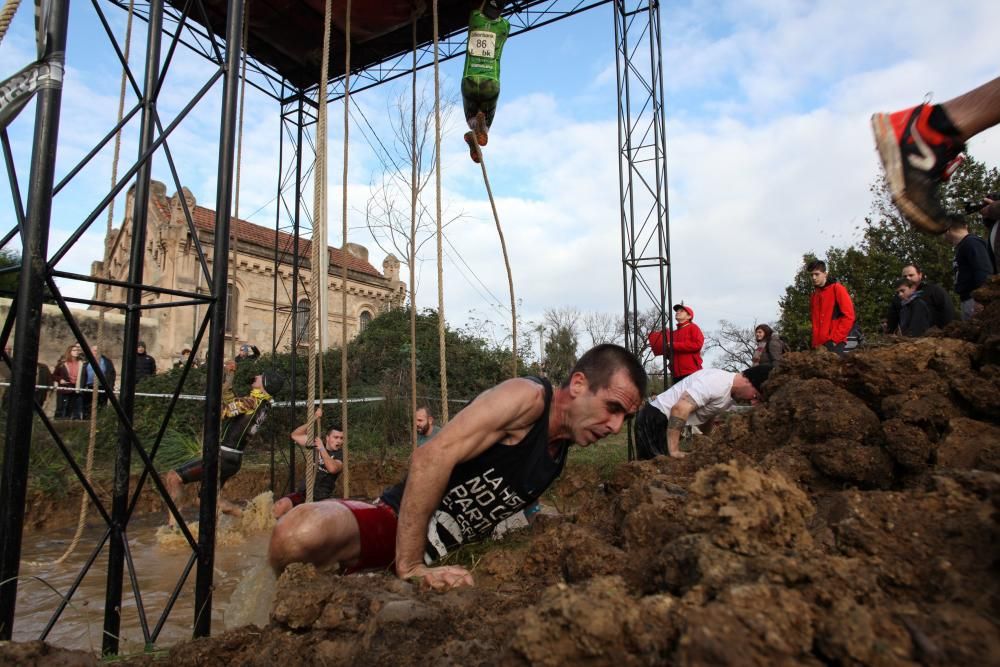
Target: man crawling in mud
496 457
694 401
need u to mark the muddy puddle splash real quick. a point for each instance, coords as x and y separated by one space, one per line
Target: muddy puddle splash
244 584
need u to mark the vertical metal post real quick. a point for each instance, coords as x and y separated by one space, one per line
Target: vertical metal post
28 313
123 454
217 335
642 172
277 264
293 372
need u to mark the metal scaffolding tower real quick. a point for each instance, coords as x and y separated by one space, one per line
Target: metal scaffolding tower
214 32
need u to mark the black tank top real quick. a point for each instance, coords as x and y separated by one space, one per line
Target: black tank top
484 491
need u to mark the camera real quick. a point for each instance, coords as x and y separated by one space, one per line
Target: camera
976 206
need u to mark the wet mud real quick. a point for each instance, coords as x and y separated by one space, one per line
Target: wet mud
851 520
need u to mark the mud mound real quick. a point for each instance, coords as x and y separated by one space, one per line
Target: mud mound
851 520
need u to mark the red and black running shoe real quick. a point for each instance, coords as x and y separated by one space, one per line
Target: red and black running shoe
470 139
917 158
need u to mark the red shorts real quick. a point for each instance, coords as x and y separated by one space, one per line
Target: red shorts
377 528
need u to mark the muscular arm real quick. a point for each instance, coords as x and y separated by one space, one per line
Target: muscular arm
500 414
330 464
679 414
301 436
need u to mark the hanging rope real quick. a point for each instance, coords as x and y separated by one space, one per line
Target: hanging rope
88 468
7 15
343 284
233 237
318 247
440 234
411 260
506 262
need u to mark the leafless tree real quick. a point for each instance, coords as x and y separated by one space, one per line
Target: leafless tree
388 211
566 318
603 328
735 345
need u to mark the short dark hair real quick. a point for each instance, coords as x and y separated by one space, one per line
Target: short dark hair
915 266
766 329
957 221
334 426
426 408
757 375
599 363
904 281
816 264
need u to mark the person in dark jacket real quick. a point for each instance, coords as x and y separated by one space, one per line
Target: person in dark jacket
915 316
687 341
991 216
89 379
145 365
830 308
770 347
971 264
937 299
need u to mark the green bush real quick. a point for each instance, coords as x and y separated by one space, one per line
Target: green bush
378 367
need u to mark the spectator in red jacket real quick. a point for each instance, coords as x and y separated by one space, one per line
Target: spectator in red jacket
830 308
687 340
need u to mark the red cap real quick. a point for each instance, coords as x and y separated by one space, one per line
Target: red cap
681 306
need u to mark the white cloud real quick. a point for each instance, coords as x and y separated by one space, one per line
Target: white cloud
769 152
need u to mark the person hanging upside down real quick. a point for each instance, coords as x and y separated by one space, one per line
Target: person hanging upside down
242 417
488 32
495 458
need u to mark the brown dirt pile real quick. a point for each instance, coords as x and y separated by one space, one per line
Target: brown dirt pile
851 520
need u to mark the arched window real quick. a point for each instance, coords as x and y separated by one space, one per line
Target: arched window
232 306
364 320
302 321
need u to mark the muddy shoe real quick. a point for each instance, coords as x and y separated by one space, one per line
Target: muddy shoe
919 150
481 130
470 139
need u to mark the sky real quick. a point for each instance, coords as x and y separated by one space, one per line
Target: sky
768 146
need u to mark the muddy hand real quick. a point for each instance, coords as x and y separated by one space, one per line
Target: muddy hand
442 578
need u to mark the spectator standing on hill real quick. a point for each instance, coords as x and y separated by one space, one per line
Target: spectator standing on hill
145 365
971 264
914 314
770 347
687 340
991 216
938 301
830 308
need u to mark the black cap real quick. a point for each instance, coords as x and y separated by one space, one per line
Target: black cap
758 375
273 381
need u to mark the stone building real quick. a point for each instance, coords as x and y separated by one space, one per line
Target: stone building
257 304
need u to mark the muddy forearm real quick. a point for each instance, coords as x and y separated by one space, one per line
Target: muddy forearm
424 488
